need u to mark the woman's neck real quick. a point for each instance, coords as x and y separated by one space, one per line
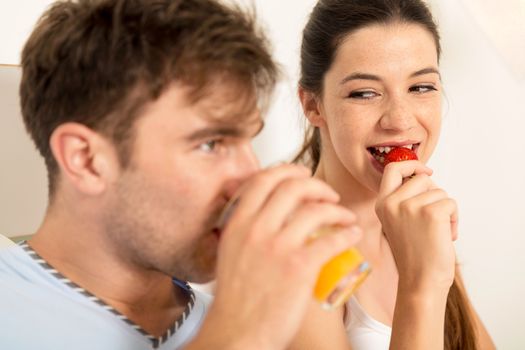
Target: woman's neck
361 201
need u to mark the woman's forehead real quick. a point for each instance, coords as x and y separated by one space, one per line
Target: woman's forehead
383 42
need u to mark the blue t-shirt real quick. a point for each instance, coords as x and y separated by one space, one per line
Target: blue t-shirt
41 309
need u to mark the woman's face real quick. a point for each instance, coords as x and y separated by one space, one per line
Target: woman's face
383 90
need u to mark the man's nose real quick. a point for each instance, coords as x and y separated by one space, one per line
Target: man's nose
246 165
397 115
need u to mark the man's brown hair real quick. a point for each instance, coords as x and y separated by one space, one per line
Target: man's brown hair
97 62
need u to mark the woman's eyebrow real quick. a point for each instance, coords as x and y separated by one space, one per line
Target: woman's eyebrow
360 76
428 70
368 76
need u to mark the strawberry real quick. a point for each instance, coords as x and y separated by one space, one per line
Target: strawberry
399 154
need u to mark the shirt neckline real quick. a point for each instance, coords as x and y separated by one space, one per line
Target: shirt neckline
358 311
156 342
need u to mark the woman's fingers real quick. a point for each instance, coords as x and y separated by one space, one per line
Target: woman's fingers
446 210
412 187
394 173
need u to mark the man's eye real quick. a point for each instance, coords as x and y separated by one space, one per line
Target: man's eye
209 146
421 89
364 95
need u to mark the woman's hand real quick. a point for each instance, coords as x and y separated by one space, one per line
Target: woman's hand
420 223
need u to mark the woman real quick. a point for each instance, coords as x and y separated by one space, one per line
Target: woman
369 84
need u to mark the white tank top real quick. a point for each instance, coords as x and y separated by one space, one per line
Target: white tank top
363 331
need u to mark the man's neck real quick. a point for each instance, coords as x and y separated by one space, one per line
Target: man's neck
82 254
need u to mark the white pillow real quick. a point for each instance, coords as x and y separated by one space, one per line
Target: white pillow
5 242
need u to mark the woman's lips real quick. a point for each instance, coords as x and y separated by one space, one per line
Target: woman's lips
379 155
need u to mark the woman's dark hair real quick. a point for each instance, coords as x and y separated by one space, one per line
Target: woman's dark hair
329 23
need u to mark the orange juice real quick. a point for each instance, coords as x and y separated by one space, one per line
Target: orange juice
340 276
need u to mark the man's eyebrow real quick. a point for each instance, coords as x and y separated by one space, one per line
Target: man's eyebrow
368 76
213 131
224 131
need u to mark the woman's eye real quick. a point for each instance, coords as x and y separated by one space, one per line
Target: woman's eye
365 95
420 89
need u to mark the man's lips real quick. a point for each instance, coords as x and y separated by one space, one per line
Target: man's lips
225 215
217 232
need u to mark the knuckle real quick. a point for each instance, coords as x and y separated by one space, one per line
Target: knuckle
296 265
407 206
339 240
274 247
253 233
262 180
441 193
292 186
428 212
380 207
390 206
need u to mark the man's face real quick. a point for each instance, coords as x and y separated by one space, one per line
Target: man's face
187 161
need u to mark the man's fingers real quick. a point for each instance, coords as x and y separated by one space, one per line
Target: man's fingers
325 247
253 194
313 218
292 194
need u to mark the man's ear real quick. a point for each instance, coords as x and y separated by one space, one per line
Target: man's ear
87 160
311 107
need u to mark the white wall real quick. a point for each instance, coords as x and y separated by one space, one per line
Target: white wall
479 160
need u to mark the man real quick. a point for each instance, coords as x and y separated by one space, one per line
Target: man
143 112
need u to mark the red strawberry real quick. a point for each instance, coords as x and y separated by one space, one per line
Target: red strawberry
399 154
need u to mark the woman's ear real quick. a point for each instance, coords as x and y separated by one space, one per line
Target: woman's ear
86 159
311 107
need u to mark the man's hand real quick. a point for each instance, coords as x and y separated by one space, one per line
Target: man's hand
266 271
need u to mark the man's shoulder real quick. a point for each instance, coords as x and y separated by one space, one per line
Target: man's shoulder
36 315
12 260
17 267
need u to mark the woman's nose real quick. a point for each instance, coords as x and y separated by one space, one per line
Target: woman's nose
397 116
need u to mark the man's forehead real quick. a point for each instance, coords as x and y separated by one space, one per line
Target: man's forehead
228 105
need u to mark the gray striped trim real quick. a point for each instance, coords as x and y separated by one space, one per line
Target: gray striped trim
155 341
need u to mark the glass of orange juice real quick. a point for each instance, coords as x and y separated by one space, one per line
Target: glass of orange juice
338 278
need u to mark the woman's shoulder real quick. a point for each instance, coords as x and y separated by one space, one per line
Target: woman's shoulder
363 331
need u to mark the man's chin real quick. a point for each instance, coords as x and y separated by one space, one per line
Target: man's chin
203 277
204 273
